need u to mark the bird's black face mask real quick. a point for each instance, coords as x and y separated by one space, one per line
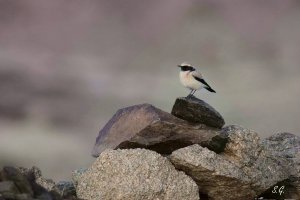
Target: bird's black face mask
187 68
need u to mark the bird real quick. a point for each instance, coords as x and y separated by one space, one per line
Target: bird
192 79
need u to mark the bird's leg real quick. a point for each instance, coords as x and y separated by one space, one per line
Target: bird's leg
194 92
190 94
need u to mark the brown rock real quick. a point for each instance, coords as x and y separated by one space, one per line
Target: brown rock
217 177
144 126
244 170
195 110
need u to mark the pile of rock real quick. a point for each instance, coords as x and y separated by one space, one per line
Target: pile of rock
28 184
145 126
143 152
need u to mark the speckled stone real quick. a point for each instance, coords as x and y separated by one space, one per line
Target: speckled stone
135 174
217 177
287 146
76 175
244 170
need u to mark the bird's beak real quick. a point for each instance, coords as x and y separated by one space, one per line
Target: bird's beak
178 66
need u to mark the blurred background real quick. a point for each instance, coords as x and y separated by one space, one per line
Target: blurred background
67 66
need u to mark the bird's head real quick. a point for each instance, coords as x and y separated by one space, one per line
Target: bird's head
186 67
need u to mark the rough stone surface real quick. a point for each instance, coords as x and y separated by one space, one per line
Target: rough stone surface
195 110
135 174
43 188
65 189
29 184
46 188
243 145
14 185
217 177
287 145
13 174
8 187
246 150
245 167
144 126
76 175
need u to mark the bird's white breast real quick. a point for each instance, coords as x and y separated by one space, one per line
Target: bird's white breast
187 80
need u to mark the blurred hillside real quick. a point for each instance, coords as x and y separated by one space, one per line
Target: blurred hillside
66 67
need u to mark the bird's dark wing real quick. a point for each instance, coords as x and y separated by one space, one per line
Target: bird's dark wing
210 89
206 84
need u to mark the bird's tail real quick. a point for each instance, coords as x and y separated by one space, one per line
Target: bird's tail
210 89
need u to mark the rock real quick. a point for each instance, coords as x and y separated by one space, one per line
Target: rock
135 174
42 188
76 175
283 190
23 196
7 187
245 167
246 150
287 146
15 175
217 177
29 184
243 145
9 191
46 188
144 126
195 110
47 184
66 189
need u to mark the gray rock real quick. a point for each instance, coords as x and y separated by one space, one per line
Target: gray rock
243 145
9 191
287 146
245 162
195 110
15 175
47 184
76 175
29 184
66 189
135 174
7 187
144 126
246 150
23 196
43 188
